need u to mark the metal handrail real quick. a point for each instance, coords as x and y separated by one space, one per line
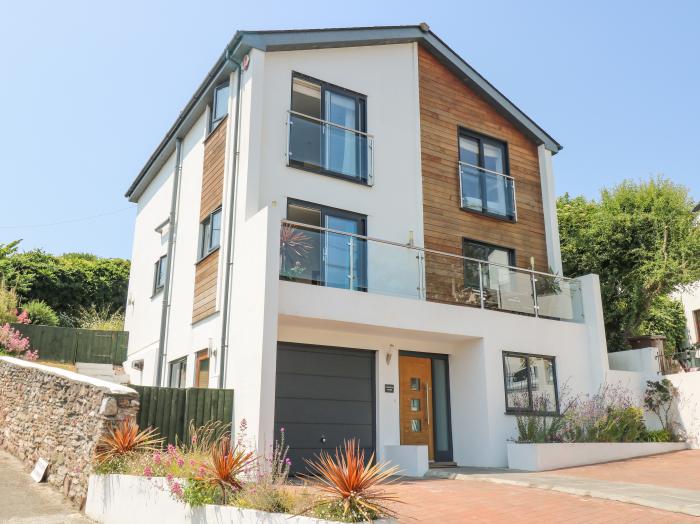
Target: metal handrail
486 170
422 249
296 113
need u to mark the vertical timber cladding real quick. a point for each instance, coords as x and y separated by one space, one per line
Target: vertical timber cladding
446 104
207 270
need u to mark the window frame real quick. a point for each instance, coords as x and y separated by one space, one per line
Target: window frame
205 232
157 271
342 213
529 410
214 123
481 138
182 362
696 319
360 124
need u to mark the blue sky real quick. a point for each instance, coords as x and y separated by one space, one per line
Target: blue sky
87 90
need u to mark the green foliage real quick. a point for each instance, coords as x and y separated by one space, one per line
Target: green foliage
537 429
40 313
666 316
200 492
658 398
67 282
8 303
102 319
266 496
620 425
658 435
643 241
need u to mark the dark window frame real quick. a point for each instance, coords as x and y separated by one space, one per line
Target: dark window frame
465 241
529 410
696 318
481 138
360 125
342 213
158 270
182 362
205 236
213 121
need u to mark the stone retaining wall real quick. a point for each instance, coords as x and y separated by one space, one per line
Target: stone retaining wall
58 415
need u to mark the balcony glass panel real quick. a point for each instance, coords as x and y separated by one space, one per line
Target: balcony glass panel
487 192
335 257
329 148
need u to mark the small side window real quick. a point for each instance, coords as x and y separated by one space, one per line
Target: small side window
178 373
160 272
210 234
219 106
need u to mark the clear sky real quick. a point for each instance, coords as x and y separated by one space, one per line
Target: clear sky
89 88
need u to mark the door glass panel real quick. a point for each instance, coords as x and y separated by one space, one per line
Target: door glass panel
415 404
415 425
305 134
341 144
415 384
300 248
341 253
440 403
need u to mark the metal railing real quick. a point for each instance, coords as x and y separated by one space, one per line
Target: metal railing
487 191
329 257
330 148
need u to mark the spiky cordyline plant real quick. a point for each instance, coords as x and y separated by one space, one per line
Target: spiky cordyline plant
352 482
227 465
125 438
295 244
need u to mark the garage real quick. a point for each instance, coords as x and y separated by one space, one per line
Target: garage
323 396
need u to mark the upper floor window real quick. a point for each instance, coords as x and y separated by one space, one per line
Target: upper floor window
530 383
328 130
485 184
328 254
219 107
160 273
210 234
495 273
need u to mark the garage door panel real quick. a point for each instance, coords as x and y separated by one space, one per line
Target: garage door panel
330 363
322 411
321 387
324 391
308 436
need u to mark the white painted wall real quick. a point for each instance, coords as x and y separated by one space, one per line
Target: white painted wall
691 302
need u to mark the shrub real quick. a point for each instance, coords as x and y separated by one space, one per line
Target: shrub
124 439
227 465
12 342
100 318
658 435
350 485
620 425
658 398
198 492
8 304
40 313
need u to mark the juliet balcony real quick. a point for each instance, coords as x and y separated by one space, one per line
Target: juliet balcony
333 258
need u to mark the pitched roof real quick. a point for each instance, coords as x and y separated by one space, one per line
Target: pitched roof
244 41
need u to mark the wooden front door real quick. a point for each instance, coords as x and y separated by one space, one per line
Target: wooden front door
415 390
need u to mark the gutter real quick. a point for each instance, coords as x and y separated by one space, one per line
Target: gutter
169 267
231 226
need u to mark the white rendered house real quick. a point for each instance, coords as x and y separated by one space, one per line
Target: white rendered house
355 231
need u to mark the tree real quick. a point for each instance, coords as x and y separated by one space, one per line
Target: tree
644 242
67 283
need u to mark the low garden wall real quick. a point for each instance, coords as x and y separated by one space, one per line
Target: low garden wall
58 415
126 499
543 457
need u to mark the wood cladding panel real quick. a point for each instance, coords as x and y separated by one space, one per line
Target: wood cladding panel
207 270
446 105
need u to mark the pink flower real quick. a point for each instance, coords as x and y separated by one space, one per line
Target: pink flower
23 317
194 439
180 462
176 489
169 477
157 458
202 471
172 450
147 472
192 463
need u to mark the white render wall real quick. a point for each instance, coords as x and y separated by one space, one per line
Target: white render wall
691 302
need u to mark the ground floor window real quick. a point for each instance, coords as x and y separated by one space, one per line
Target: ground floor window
530 383
201 376
178 372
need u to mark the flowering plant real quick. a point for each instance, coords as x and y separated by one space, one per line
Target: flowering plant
14 343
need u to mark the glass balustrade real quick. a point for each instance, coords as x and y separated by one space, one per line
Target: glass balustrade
331 258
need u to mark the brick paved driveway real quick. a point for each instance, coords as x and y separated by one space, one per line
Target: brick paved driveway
454 501
673 470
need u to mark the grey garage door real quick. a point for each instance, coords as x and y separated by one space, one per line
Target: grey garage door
323 396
